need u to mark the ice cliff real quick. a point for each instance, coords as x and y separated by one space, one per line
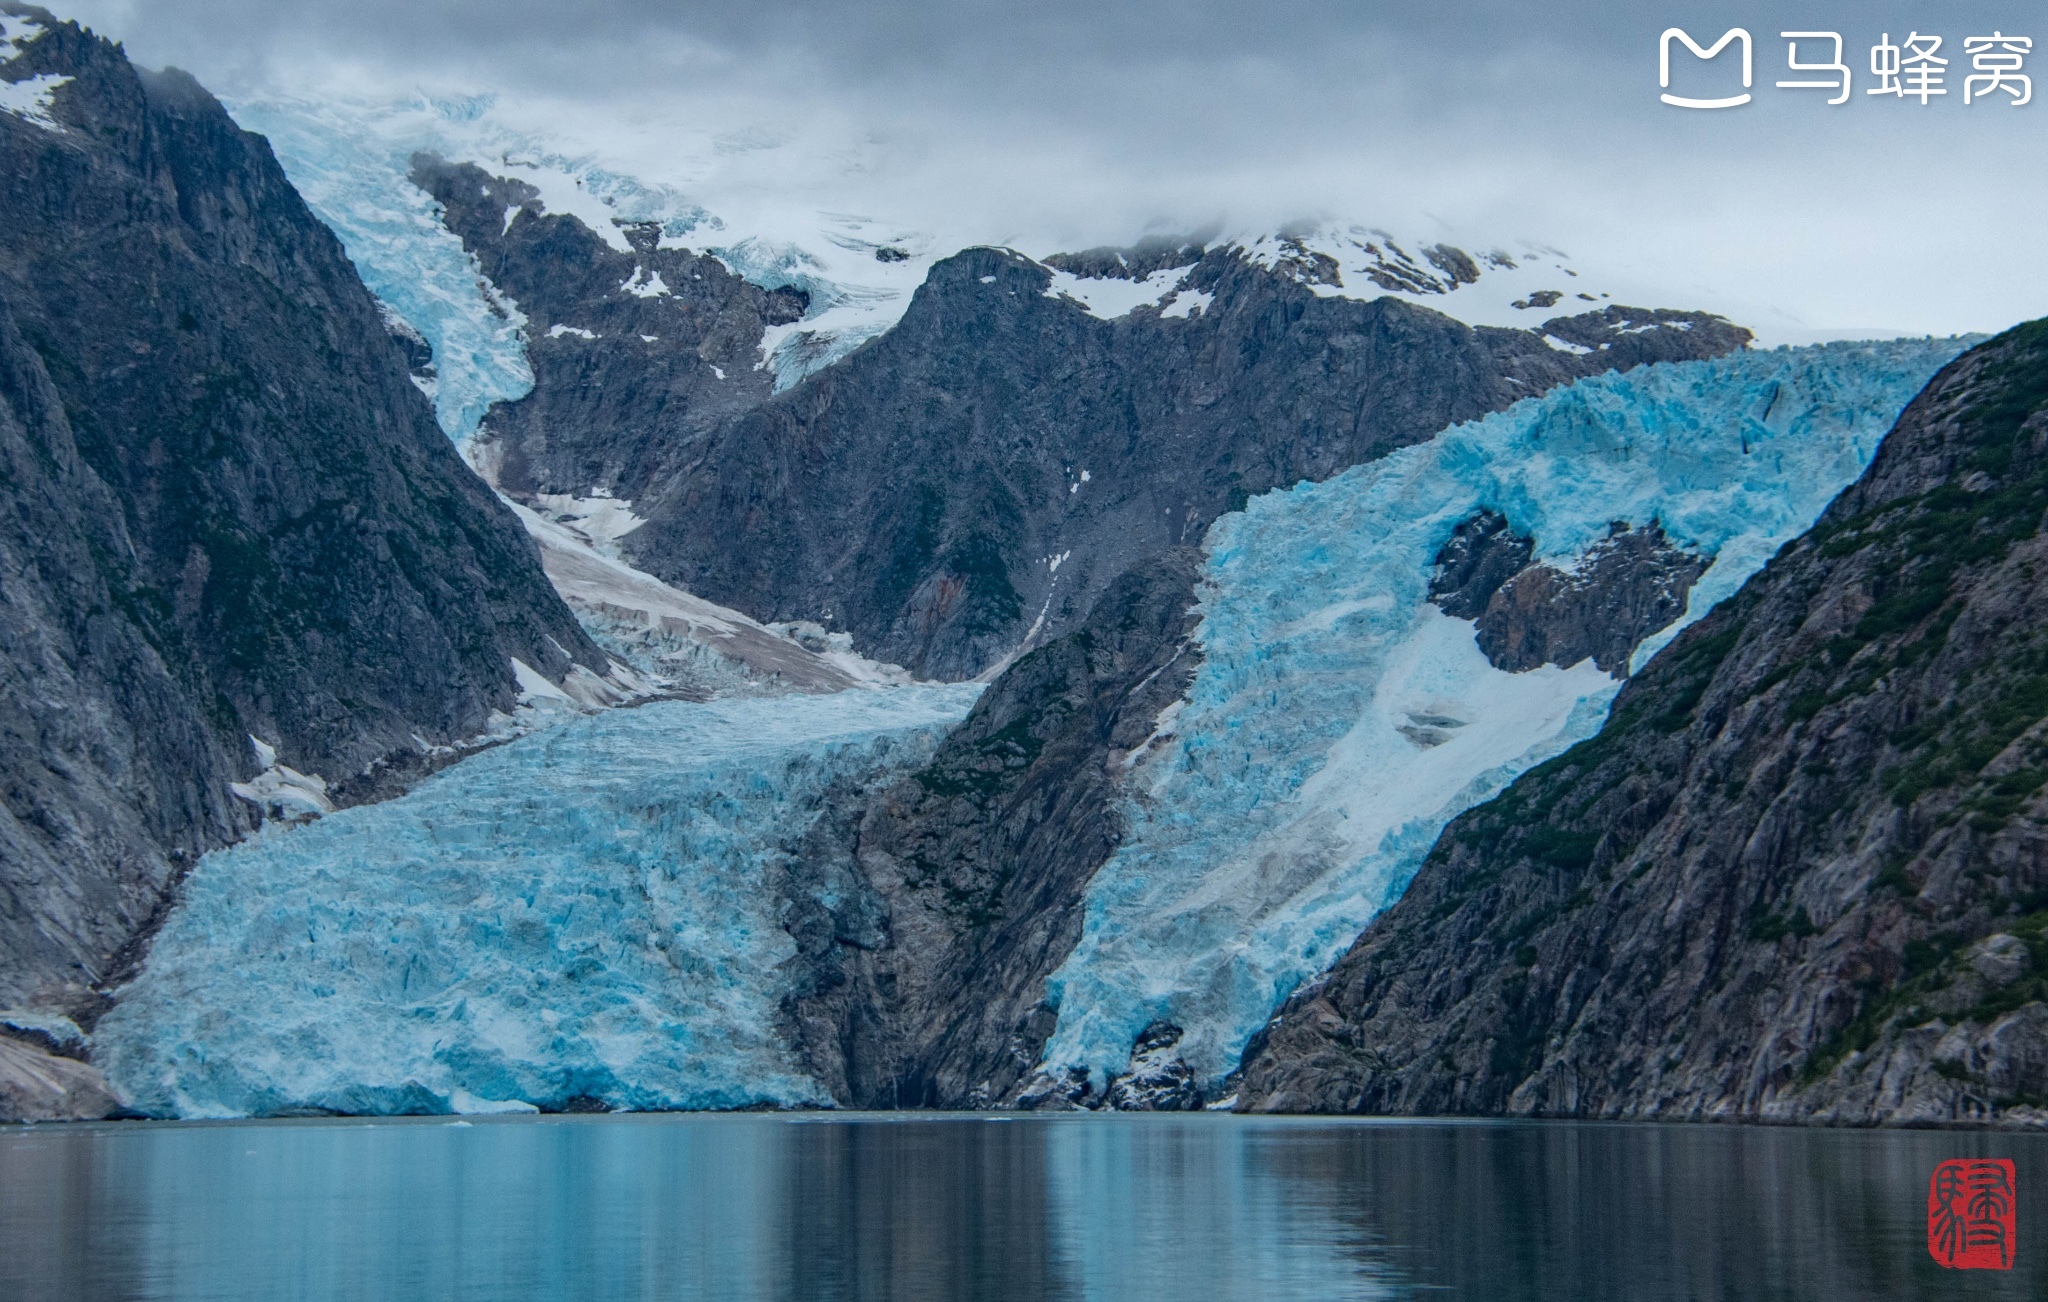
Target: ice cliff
584 916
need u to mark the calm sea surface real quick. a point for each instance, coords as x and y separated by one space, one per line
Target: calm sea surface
1131 1207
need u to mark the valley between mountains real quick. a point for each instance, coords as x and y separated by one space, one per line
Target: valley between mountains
480 636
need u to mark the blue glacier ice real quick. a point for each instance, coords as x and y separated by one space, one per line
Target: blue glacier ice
588 911
1287 808
350 164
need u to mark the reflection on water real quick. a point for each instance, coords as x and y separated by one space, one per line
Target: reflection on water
828 1207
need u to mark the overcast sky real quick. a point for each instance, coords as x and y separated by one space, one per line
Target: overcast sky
1082 121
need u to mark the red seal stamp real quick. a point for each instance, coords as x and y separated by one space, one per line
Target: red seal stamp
1971 1207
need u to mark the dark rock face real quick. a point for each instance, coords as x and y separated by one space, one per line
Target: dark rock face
928 928
918 492
1800 875
636 356
1483 553
39 1086
1156 253
1623 589
1158 1081
227 511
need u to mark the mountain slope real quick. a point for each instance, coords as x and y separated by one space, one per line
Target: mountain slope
1153 828
636 356
1800 875
1004 452
979 861
228 511
972 479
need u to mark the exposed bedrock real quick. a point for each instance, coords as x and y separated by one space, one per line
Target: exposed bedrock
1616 593
958 889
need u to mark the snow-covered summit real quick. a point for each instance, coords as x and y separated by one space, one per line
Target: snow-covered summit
858 269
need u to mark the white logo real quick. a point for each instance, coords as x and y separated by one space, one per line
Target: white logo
1664 66
1914 69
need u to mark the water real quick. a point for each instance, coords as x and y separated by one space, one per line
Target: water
819 1206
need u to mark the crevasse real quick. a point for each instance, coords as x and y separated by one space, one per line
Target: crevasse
1289 808
585 913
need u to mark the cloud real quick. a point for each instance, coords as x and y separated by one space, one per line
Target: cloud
1084 122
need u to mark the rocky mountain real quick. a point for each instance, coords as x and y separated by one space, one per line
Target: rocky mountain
978 475
637 357
1799 876
977 862
971 481
228 510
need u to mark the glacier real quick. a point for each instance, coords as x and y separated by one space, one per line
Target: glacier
350 162
350 158
1282 807
592 912
586 913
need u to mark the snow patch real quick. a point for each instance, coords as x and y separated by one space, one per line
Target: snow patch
281 792
672 638
30 99
1109 297
1186 303
599 520
17 33
644 284
534 687
557 331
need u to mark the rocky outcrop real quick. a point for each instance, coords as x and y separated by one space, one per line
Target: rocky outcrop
1156 1080
1482 554
226 511
1801 874
637 355
929 921
36 1085
1617 593
972 480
